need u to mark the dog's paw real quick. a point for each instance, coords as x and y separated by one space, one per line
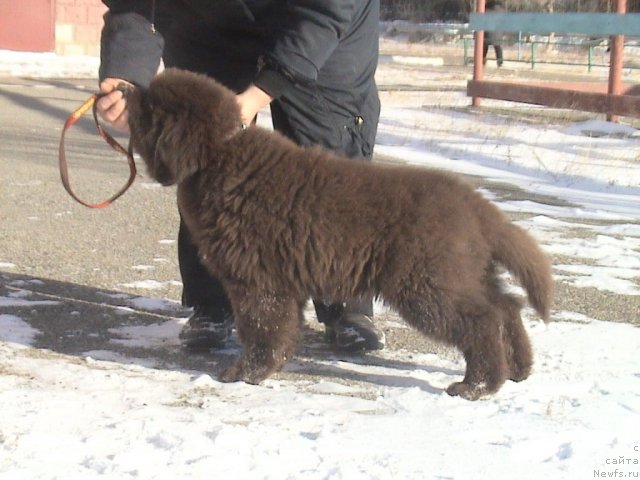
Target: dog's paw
466 391
230 374
520 374
239 372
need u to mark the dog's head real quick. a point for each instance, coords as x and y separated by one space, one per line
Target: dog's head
178 122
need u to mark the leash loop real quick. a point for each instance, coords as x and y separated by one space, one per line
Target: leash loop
91 103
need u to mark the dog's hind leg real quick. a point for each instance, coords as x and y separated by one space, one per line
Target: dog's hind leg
481 342
518 352
268 327
475 330
517 347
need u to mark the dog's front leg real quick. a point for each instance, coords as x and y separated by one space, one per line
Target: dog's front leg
268 327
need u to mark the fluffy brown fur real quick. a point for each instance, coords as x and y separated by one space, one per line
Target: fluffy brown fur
277 224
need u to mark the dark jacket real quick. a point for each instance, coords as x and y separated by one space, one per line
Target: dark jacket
493 37
330 42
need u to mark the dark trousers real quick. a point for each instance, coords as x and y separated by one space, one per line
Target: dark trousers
311 115
498 50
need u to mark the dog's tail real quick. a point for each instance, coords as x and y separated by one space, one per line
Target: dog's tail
520 254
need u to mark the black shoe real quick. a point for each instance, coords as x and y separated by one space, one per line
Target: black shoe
206 328
354 332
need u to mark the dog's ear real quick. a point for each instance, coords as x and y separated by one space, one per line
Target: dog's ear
171 165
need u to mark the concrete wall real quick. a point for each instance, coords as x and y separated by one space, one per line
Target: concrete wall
77 26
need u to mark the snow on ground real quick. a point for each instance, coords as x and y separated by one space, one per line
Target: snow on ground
124 418
108 415
571 163
47 65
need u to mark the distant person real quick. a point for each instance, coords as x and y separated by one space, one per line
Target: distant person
492 37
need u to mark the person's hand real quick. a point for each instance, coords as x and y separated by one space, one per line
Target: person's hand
113 106
251 101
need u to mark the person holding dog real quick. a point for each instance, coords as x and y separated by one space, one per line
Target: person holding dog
311 61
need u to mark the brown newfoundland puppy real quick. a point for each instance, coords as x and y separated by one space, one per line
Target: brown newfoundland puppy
277 224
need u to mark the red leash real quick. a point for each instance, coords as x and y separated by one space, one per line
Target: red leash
62 157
